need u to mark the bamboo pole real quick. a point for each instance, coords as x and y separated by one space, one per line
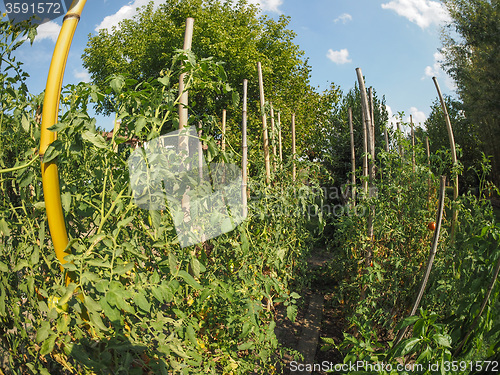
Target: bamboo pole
353 160
412 144
280 141
264 123
244 159
184 96
366 110
200 153
223 139
481 310
453 156
183 115
294 170
365 154
273 143
386 134
401 153
372 118
430 260
50 175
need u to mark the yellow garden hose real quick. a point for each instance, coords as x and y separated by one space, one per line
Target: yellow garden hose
50 176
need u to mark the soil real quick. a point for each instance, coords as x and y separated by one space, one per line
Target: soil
332 323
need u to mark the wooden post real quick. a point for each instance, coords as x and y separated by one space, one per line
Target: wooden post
366 110
430 260
223 139
294 170
183 116
200 152
386 134
453 156
183 101
244 159
273 143
353 160
264 123
372 118
365 154
412 145
401 153
280 141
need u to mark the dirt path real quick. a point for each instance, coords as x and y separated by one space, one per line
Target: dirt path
316 318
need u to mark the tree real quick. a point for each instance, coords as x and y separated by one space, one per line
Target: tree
465 134
472 59
230 32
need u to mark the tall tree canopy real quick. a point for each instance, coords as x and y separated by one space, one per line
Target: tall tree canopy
472 58
231 32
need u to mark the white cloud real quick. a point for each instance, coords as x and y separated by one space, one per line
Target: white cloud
434 70
392 119
344 18
339 57
130 10
81 75
422 12
125 12
48 30
418 116
269 5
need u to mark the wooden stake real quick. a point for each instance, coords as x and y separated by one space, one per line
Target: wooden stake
244 159
368 121
264 123
273 143
183 102
453 156
372 118
401 153
353 160
280 141
430 260
223 140
183 116
294 170
412 145
386 134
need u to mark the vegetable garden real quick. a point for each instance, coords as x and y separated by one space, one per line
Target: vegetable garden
413 265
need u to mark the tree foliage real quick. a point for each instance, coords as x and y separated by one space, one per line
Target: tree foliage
465 135
472 57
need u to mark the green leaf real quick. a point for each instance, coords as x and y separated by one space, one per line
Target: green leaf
94 138
117 84
91 305
122 269
53 151
191 335
3 267
96 319
189 279
408 345
246 345
141 301
172 262
139 124
442 340
4 228
25 122
66 201
48 345
43 332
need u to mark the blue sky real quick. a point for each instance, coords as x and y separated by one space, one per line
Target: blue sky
394 42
